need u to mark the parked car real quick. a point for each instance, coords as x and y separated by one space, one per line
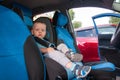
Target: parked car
87 40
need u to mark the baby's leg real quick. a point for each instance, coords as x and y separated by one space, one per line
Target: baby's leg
58 57
71 55
78 70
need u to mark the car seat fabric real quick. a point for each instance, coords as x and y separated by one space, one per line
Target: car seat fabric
106 66
14 42
54 70
63 34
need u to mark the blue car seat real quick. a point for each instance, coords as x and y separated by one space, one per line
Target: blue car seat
63 34
53 72
57 71
20 59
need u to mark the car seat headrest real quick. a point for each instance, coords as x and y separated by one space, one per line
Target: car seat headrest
62 20
18 11
27 17
26 14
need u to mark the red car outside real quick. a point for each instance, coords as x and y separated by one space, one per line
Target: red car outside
87 41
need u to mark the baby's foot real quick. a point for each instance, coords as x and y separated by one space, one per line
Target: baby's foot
81 71
74 56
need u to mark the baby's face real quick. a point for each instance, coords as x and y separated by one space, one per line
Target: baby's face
39 30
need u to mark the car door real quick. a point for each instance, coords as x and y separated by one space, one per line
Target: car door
104 34
105 31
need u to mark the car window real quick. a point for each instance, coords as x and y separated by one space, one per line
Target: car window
82 18
106 30
109 24
85 33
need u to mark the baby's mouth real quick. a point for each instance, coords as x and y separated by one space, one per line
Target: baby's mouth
39 35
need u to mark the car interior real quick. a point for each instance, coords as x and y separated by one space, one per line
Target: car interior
20 57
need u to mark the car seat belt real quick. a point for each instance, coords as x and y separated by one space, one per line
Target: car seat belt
44 42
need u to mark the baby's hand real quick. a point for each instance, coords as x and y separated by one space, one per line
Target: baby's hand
50 49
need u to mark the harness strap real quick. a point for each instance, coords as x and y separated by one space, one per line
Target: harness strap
44 42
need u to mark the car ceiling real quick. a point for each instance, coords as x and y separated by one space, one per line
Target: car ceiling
38 6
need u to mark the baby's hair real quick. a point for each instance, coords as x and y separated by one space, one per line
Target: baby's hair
39 20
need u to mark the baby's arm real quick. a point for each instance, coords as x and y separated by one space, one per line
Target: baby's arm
46 50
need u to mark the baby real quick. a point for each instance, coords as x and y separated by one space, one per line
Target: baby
59 55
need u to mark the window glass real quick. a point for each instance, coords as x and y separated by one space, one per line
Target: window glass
85 33
82 18
108 26
107 30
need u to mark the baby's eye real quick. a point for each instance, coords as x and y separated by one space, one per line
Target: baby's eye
37 29
43 30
